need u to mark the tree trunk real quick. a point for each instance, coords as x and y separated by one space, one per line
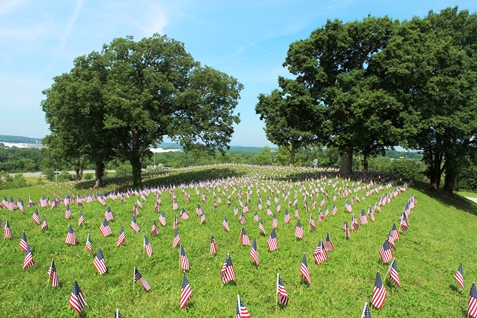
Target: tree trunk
450 176
292 154
436 172
79 170
136 171
346 165
365 162
98 174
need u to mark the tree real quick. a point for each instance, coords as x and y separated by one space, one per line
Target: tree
143 91
264 157
281 112
432 66
336 67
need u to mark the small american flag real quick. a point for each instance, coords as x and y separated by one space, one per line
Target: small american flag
20 206
36 217
287 217
176 240
186 292
328 244
183 259
89 245
274 221
242 218
254 252
299 230
77 300
459 276
366 312
391 240
105 228
371 213
379 293
348 206
393 273
472 307
334 210
281 292
404 223
134 225
70 236
395 232
385 252
261 228
117 314
68 212
175 223
144 283
242 311
345 228
135 210
108 215
23 242
244 237
81 218
121 237
147 246
99 263
312 224
202 218
213 246
175 205
354 223
7 231
28 261
44 225
363 219
227 272
52 273
272 241
320 253
225 224
162 218
183 214
304 270
154 229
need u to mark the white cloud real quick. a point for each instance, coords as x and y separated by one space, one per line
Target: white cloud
71 22
155 20
7 6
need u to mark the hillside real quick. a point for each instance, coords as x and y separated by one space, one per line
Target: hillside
20 139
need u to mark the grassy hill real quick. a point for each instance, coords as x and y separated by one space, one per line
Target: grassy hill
442 234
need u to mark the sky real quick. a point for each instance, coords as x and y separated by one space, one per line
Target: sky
247 39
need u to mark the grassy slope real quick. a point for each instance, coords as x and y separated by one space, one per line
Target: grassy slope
442 234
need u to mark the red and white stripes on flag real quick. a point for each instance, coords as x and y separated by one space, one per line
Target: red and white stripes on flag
183 259
379 292
227 272
77 300
138 277
147 246
99 263
282 295
186 292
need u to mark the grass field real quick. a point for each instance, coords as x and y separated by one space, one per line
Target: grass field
442 234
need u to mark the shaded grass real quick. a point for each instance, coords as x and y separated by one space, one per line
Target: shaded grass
440 236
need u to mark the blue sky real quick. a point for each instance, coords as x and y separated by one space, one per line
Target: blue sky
247 39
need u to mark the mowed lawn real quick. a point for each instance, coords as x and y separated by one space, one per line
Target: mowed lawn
442 234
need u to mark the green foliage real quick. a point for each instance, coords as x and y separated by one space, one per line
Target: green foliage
19 139
263 158
13 182
19 159
342 284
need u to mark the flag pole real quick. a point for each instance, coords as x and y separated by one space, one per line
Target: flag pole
134 278
364 309
180 248
388 269
276 296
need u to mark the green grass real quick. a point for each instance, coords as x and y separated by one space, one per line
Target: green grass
442 233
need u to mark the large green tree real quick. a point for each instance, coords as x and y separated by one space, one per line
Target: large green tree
147 90
335 65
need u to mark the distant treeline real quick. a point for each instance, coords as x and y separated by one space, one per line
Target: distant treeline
19 139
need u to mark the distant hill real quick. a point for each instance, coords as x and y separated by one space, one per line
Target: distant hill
171 145
20 139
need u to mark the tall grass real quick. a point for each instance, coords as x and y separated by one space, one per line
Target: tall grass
442 233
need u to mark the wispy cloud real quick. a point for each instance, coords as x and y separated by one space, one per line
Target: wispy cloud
69 25
154 20
7 6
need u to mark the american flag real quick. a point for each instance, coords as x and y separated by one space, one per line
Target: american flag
472 308
379 293
43 202
299 230
304 270
235 210
183 259
44 225
198 210
30 201
175 206
348 206
99 263
242 311
245 208
105 228
67 212
242 218
157 205
404 223
202 218
272 241
459 276
287 217
89 245
154 230
354 223
20 206
28 261
213 245
177 239
66 200
7 231
52 273
322 202
147 246
366 312
244 237
101 200
282 295
138 277
121 237
81 218
77 301
395 232
183 214
297 211
345 228
385 252
23 242
320 254
393 273
391 240
134 225
260 227
274 221
175 223
328 244
186 292
335 209
363 219
36 217
162 218
256 217
11 204
225 224
227 272
108 215
118 314
254 252
371 213
70 236
135 210
138 202
320 217
312 224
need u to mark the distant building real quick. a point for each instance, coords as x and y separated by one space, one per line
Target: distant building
20 145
